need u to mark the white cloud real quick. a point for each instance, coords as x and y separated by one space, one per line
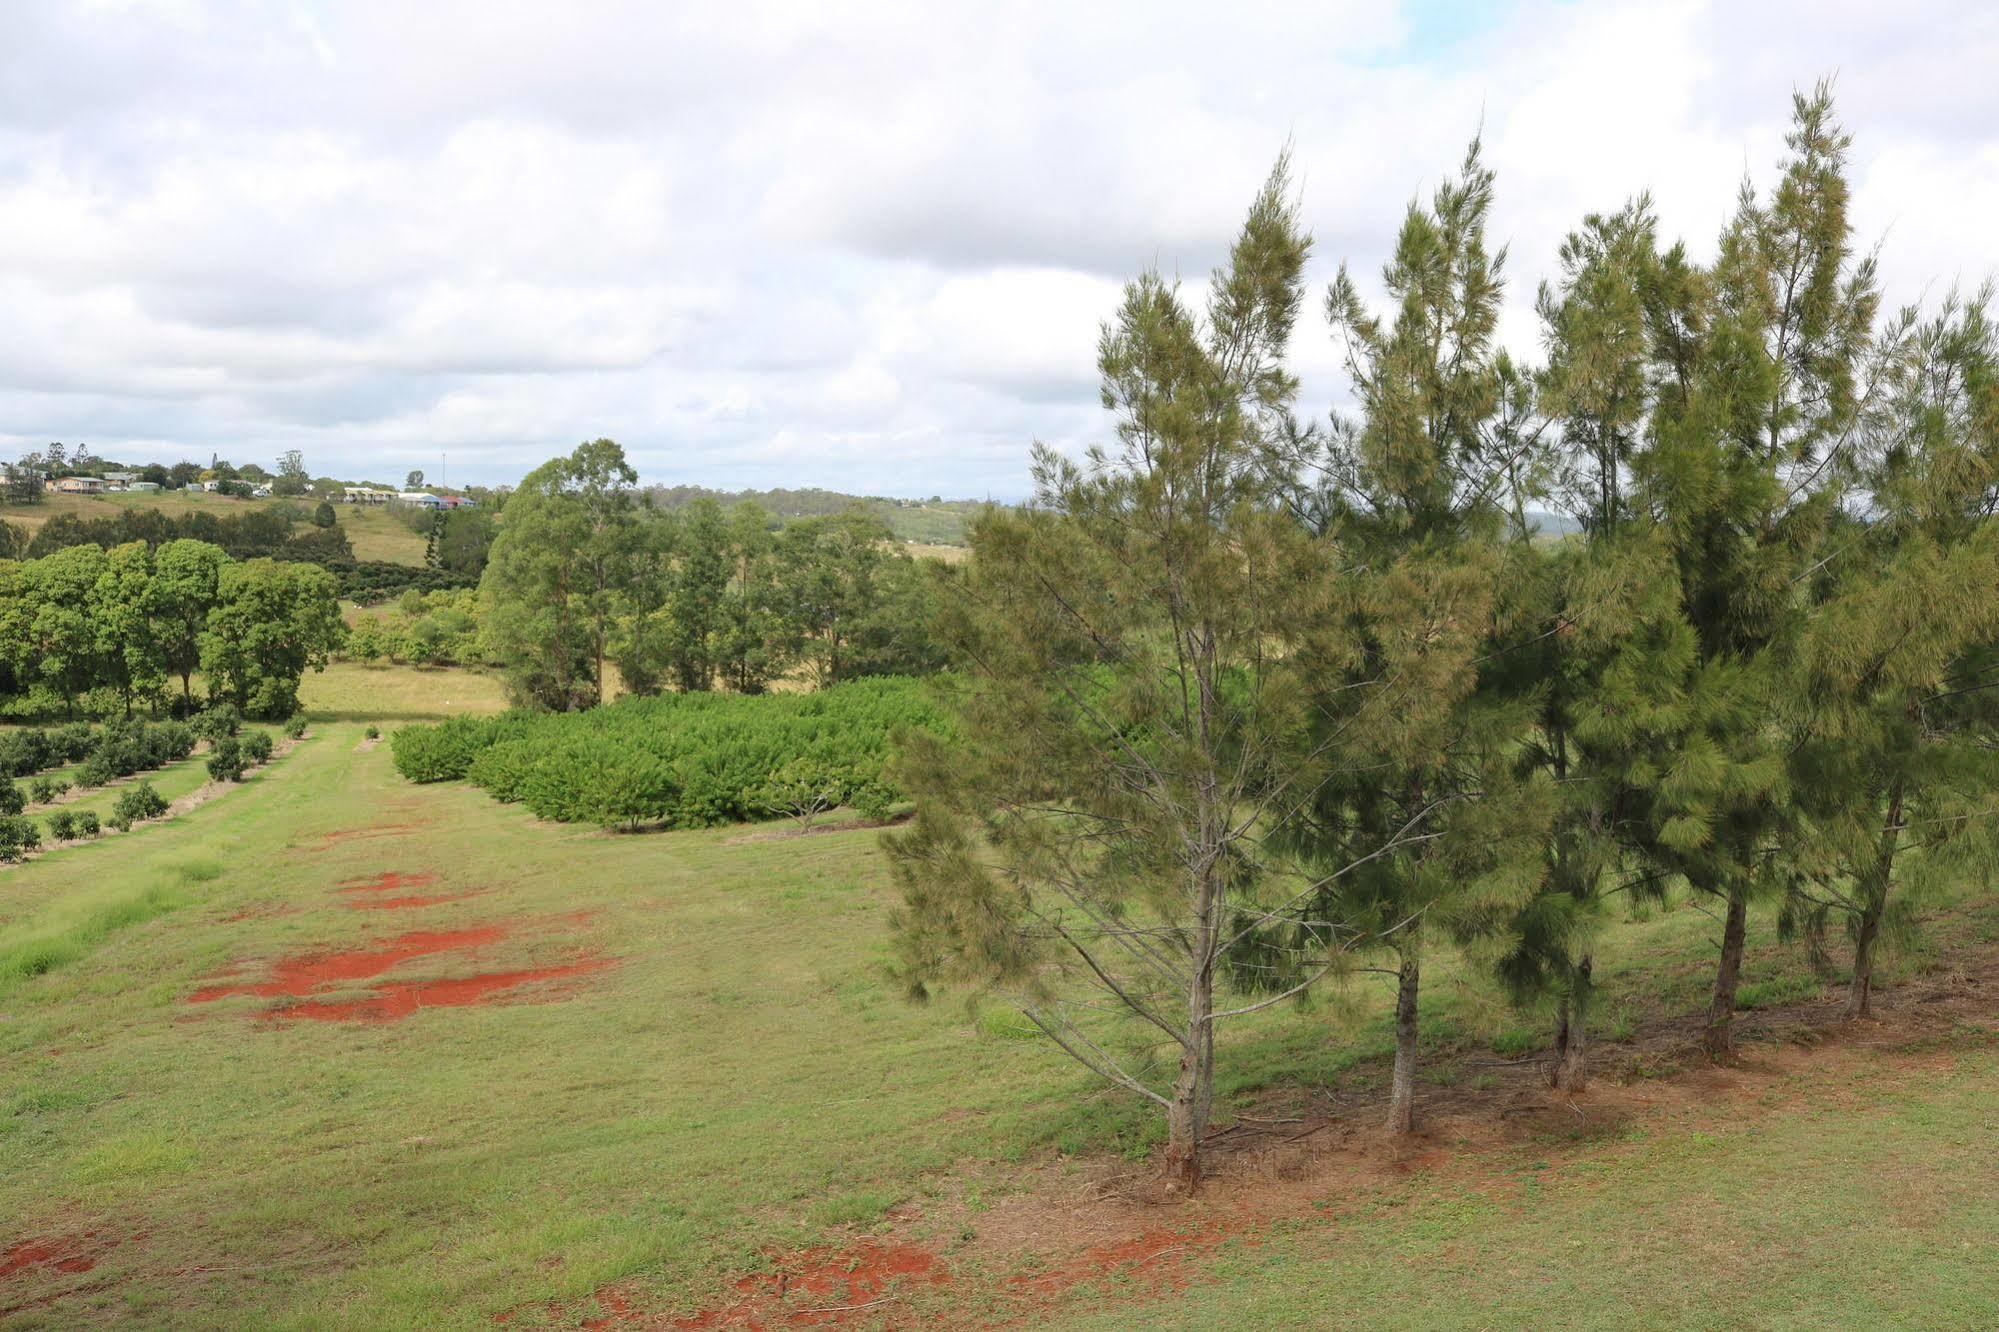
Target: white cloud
858 245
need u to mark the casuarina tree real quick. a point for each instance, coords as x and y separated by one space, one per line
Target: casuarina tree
1757 361
1131 718
1894 693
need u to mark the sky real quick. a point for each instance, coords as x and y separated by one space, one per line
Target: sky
865 246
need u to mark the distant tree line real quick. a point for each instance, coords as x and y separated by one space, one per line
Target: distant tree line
1246 703
277 531
935 520
584 576
85 629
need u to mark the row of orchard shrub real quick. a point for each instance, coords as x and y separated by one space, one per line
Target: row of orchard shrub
232 755
19 835
367 582
115 749
125 748
682 760
27 751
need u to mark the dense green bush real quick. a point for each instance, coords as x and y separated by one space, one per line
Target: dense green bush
367 582
86 823
12 800
26 752
17 836
125 748
216 722
226 761
295 728
136 805
62 825
682 760
47 789
257 746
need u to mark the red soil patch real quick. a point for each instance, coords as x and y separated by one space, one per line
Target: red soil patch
65 1255
398 903
395 1001
817 1287
389 881
300 976
833 1286
1157 1257
361 892
311 974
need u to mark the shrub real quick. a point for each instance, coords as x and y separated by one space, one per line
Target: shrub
23 752
441 753
86 823
684 760
136 805
128 747
218 722
62 825
12 801
225 761
373 733
18 836
295 728
48 789
69 743
257 746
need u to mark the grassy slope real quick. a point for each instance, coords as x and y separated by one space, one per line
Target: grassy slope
745 1076
373 532
1860 1201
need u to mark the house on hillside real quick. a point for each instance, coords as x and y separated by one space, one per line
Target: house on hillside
458 502
366 495
420 499
142 486
80 485
119 480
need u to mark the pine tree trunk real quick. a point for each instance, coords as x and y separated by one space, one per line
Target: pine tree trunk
1860 994
1719 1037
1402 1087
1570 1070
1193 1097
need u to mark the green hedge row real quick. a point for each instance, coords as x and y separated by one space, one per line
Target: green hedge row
27 751
682 760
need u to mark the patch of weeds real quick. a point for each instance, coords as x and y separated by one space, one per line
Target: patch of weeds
1005 1024
1777 992
851 1209
1515 1041
134 1156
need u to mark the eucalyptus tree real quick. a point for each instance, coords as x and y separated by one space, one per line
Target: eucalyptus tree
557 574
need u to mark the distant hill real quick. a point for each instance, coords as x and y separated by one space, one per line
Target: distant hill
934 522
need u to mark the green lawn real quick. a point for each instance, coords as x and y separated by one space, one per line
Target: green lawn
721 1067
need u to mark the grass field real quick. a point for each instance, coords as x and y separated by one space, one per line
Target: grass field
336 1051
374 532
